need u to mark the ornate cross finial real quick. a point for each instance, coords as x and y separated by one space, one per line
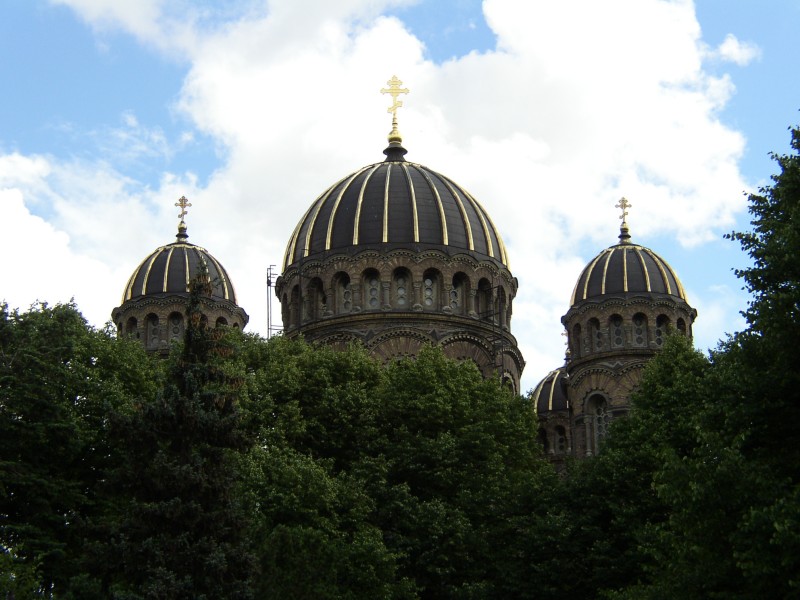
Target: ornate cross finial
394 91
624 205
183 203
624 232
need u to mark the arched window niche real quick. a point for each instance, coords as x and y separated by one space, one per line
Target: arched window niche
176 327
431 289
315 300
485 307
661 330
402 289
132 328
639 331
371 289
595 336
152 332
616 333
459 294
344 293
596 421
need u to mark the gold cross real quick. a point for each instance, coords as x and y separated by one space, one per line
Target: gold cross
624 205
394 91
183 203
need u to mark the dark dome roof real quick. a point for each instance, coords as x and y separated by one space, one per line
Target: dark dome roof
395 204
170 268
624 269
550 395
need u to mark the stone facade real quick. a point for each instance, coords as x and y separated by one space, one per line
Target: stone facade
395 302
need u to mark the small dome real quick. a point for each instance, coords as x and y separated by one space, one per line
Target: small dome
625 269
551 394
170 268
395 204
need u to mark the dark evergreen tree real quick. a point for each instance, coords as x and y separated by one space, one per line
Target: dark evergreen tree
182 532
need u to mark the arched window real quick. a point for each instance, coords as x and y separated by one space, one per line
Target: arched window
372 290
596 420
152 332
560 440
315 299
639 333
660 333
575 342
615 332
431 281
502 307
682 326
485 308
544 441
132 328
344 294
294 307
401 289
176 326
221 322
595 335
459 294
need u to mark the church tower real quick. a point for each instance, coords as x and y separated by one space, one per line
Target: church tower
625 302
153 308
394 256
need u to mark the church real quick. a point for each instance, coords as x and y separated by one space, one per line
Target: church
395 255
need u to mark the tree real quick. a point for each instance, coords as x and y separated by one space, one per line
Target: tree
180 530
59 379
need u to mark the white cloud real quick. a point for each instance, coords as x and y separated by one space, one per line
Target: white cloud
583 102
735 51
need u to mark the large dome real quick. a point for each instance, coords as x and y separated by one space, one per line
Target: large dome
626 269
169 269
395 204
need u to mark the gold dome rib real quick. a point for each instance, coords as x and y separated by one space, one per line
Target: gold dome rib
385 236
462 210
483 217
588 272
166 269
335 208
660 265
150 266
360 200
442 217
638 251
605 272
413 202
128 294
625 270
221 273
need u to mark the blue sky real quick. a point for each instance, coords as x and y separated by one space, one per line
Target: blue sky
546 111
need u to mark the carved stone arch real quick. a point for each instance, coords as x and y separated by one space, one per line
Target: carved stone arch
464 348
400 343
339 341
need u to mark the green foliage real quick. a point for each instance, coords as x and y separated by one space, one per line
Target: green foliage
396 482
58 380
